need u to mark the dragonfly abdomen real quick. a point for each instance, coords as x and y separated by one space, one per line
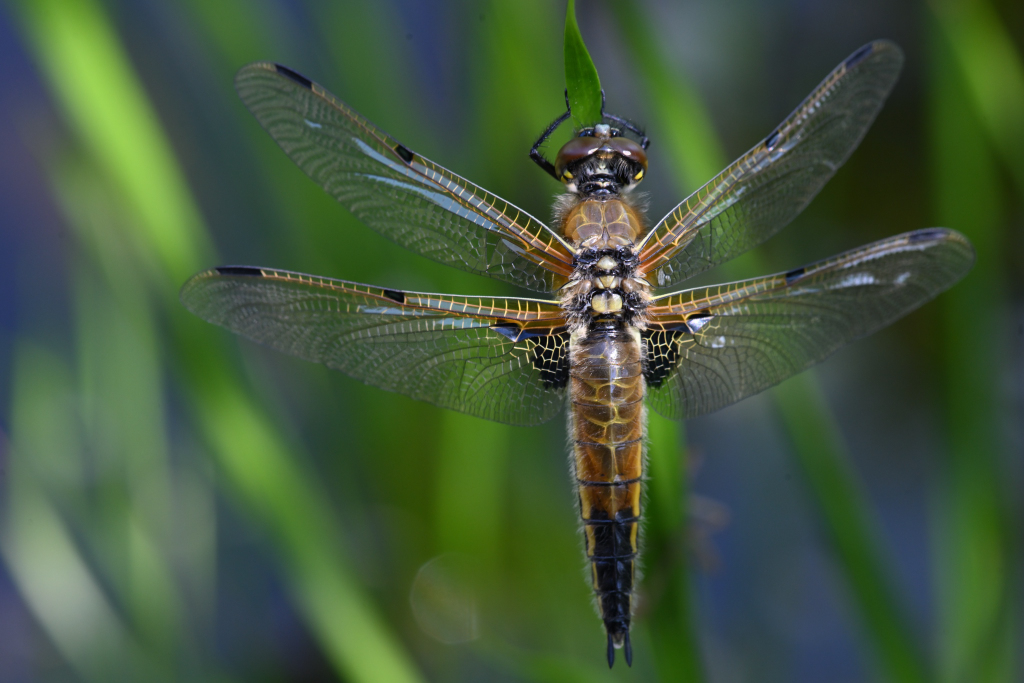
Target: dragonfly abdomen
607 432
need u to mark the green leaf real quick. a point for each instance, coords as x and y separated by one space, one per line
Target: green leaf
93 81
581 80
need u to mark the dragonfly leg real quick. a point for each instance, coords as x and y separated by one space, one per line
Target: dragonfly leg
536 154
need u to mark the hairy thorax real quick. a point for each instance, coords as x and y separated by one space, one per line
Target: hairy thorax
606 286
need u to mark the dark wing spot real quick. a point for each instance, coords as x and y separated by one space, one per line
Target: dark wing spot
926 235
859 56
248 271
295 76
405 153
794 275
770 141
395 295
551 358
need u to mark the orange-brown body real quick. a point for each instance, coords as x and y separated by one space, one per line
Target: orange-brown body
606 411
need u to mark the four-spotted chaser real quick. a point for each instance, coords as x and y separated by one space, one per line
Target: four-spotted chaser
607 343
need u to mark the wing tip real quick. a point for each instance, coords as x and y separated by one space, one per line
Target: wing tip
262 68
185 293
875 47
936 235
253 68
947 236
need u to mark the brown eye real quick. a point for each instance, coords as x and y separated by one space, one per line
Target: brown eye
630 150
573 151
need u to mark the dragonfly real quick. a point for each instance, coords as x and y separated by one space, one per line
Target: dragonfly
613 334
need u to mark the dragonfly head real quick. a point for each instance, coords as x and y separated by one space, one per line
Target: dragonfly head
601 161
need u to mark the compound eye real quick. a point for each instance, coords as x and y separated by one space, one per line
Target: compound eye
573 151
631 150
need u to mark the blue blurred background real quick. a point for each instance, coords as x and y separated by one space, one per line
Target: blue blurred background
176 504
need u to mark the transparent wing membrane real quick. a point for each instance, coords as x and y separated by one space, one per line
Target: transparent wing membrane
762 191
710 347
507 359
499 359
398 193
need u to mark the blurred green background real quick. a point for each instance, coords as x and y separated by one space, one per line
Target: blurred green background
176 504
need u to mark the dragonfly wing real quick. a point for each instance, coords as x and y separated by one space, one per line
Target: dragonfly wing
762 191
405 197
710 347
500 359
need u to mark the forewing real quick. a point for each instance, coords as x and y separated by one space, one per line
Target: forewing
762 191
713 346
500 359
398 193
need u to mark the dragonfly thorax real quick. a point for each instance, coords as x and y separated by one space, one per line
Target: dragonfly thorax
605 288
605 284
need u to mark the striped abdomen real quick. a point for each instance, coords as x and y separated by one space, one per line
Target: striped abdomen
607 428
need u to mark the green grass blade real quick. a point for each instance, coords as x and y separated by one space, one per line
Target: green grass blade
120 373
93 83
851 526
117 127
470 485
993 73
671 622
110 481
53 577
552 668
581 80
977 633
683 119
